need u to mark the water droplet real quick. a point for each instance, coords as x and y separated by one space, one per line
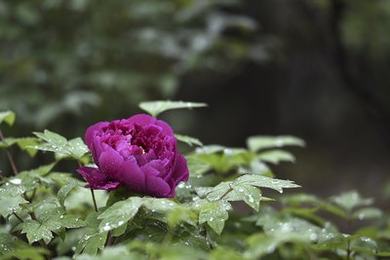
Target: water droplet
106 227
16 181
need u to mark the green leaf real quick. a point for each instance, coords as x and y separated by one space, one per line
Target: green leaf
368 213
49 217
119 213
196 166
188 140
58 144
276 156
223 253
77 148
91 244
117 253
247 193
262 244
159 205
8 117
92 241
256 143
215 193
24 143
35 231
157 107
364 245
214 214
27 253
265 182
181 214
350 200
67 188
9 243
11 196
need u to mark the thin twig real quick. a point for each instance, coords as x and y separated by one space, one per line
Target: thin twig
9 156
94 200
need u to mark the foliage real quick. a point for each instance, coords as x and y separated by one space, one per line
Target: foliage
221 213
53 69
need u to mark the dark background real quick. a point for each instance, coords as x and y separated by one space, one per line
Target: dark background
317 69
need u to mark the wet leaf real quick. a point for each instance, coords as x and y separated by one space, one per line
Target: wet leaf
8 117
256 143
157 107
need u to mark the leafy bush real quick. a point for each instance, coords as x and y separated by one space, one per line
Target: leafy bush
226 210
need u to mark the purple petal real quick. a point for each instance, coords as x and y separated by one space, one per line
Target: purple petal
155 186
91 132
125 171
180 172
143 120
96 179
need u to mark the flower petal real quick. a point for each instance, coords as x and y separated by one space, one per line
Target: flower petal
180 173
144 119
155 186
91 132
125 171
96 179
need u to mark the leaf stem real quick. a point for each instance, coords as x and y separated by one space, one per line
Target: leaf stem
9 156
109 240
94 200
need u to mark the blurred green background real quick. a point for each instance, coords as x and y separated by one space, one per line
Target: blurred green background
318 69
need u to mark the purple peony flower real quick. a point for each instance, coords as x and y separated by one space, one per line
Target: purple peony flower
139 153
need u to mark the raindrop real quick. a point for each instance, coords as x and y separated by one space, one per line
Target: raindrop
16 181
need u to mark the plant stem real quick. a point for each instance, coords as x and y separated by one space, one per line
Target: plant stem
348 249
94 200
9 156
109 239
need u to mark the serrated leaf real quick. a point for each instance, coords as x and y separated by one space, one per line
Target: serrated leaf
214 214
8 117
119 213
188 140
276 156
157 107
11 196
249 194
77 148
214 193
24 143
92 241
91 244
60 145
35 231
265 182
256 143
49 218
350 200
